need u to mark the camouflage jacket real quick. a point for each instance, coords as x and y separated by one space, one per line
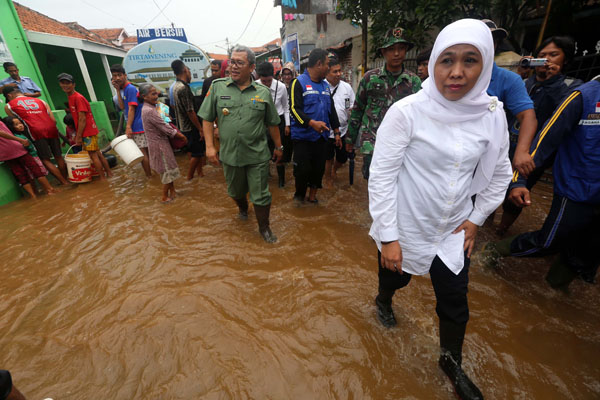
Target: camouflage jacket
376 93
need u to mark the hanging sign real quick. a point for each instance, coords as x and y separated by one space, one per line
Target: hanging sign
144 35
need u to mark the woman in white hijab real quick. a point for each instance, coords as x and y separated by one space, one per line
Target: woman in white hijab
435 150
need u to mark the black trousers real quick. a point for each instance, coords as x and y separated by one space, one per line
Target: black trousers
340 153
309 164
286 142
571 229
450 289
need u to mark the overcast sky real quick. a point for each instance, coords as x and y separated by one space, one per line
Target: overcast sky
206 23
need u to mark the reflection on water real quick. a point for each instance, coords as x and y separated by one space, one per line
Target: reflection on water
106 293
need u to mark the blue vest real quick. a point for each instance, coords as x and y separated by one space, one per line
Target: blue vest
577 166
317 105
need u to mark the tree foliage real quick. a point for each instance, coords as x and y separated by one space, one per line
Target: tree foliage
421 19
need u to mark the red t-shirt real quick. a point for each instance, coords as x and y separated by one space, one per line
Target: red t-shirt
33 111
77 104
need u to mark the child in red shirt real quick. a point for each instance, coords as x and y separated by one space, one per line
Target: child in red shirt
87 132
71 132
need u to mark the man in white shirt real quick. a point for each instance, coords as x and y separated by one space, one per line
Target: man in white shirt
279 93
343 98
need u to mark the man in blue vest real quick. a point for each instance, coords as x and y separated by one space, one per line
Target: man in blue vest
572 227
313 117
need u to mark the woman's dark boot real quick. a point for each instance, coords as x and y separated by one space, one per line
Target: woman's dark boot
281 175
243 208
451 339
262 217
385 313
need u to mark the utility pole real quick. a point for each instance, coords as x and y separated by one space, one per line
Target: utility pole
543 29
228 48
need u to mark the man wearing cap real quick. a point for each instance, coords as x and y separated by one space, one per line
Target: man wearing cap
85 125
377 91
510 89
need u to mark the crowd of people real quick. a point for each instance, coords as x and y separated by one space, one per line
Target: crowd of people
443 147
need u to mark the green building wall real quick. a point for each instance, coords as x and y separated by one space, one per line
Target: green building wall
42 63
54 60
19 47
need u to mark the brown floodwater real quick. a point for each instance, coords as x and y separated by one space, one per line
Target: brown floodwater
109 294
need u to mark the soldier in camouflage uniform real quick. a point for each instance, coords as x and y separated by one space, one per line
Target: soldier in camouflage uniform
377 91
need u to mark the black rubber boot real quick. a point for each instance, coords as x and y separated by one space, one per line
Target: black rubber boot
243 208
589 275
451 340
281 175
559 275
262 217
385 313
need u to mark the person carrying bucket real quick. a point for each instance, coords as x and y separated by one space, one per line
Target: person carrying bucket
158 132
87 131
132 109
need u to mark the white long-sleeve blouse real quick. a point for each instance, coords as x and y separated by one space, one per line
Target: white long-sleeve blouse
420 181
280 99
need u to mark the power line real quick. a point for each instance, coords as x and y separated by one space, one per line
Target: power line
216 41
160 11
104 12
163 9
264 23
248 24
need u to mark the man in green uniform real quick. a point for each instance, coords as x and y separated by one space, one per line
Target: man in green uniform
377 91
243 110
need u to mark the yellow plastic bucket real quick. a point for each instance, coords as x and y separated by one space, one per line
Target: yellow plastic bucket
79 167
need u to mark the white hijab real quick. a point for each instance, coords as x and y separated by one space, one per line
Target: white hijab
476 104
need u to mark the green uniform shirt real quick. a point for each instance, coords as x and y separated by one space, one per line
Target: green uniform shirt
376 93
243 118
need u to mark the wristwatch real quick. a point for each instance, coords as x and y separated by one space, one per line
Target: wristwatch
280 148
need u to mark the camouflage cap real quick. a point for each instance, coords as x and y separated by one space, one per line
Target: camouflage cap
393 36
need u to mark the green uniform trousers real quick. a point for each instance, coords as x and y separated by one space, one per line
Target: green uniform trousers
249 178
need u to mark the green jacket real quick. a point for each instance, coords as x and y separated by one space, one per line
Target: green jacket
243 118
376 93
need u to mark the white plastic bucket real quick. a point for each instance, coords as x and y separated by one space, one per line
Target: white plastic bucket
78 167
127 150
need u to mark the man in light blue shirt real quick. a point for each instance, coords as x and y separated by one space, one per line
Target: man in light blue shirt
510 90
25 84
520 114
